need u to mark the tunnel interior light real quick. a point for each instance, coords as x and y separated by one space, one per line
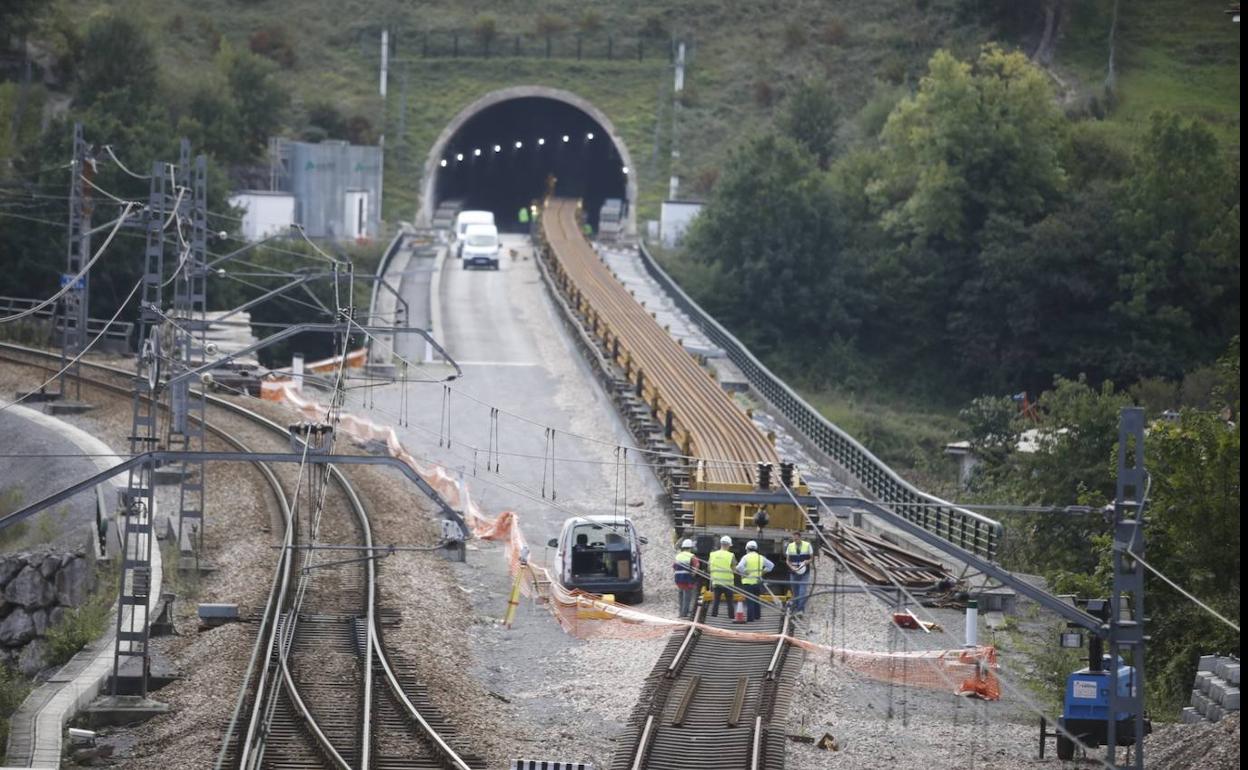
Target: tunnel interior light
498 148
443 164
519 144
625 170
541 140
476 153
566 138
590 136
459 157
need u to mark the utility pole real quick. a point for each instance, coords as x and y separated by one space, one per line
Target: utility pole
74 303
1127 636
189 336
139 497
678 85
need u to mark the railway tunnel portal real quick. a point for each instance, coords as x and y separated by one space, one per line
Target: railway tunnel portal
497 152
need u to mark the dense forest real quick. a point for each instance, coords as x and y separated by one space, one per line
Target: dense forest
969 238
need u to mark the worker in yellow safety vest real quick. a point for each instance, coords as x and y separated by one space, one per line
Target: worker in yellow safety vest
751 568
797 554
686 580
721 566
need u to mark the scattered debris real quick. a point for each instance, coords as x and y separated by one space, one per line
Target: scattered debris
828 743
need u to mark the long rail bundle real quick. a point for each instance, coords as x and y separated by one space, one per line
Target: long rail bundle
701 418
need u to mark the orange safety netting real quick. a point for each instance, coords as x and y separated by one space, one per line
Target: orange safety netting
587 616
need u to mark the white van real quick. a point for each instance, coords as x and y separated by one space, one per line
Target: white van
600 555
462 221
480 246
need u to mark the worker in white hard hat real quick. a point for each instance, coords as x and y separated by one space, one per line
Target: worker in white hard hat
686 578
751 568
722 564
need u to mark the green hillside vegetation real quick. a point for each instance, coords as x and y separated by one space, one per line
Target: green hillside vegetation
1171 55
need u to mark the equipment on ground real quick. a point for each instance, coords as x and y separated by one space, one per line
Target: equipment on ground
1085 703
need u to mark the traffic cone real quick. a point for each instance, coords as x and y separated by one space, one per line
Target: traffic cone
738 616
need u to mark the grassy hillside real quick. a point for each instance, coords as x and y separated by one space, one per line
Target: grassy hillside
1174 55
742 59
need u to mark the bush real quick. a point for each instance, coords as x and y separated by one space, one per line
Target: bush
833 32
794 35
13 690
763 93
485 30
274 43
549 24
79 628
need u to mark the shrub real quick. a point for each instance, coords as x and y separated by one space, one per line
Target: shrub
273 43
80 627
549 24
485 30
763 93
13 690
794 35
833 32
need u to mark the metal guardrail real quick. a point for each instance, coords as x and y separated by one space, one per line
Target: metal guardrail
978 534
119 337
382 266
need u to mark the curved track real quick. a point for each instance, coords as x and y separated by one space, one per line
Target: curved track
328 693
704 420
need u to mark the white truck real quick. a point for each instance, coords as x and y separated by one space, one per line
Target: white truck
480 247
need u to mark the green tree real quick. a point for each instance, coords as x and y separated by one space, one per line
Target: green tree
771 233
811 117
977 139
259 101
1181 232
118 64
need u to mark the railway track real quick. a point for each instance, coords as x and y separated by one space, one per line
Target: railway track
714 702
321 689
698 416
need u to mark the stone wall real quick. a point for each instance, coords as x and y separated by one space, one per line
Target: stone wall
36 590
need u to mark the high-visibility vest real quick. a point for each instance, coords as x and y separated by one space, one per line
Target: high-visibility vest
684 577
721 567
752 568
799 554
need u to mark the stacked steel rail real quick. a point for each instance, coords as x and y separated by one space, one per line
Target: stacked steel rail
290 713
880 562
714 702
699 416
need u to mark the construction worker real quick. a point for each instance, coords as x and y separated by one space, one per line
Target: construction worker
523 215
751 568
722 564
797 554
686 579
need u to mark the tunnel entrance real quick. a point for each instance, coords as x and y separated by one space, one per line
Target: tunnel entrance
498 153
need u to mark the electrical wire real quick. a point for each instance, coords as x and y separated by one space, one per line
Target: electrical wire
71 283
1014 689
1180 589
84 351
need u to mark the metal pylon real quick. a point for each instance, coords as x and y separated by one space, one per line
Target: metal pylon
186 424
1126 637
73 315
139 498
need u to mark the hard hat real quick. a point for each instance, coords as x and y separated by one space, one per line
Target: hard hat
687 544
725 540
751 546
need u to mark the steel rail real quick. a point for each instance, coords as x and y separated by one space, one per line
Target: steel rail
272 607
277 596
705 420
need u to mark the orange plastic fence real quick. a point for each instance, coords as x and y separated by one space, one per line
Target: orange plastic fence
586 616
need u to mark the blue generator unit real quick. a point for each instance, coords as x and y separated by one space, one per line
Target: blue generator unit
1085 708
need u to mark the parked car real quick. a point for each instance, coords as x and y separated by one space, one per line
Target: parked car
600 555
